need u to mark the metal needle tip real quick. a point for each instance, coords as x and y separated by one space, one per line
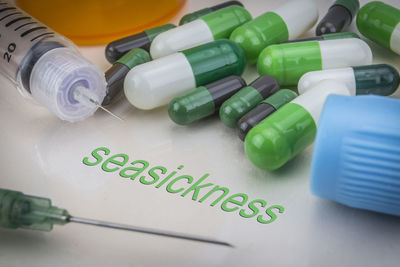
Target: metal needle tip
109 112
146 230
106 110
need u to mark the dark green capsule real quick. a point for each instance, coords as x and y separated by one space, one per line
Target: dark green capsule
215 60
263 110
246 99
116 74
116 49
199 13
379 79
204 100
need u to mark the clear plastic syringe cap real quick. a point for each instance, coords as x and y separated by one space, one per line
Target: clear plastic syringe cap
55 77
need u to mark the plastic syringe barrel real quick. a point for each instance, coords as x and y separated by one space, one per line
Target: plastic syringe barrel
19 43
46 65
22 211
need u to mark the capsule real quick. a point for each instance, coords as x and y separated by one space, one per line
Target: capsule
339 16
214 26
380 23
380 79
116 74
288 62
155 83
116 49
263 110
329 36
203 101
290 129
202 12
246 99
275 27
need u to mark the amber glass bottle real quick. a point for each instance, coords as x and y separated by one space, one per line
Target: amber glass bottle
90 22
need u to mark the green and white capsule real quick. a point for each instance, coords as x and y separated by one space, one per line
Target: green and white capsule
287 22
116 49
290 129
202 12
288 62
246 99
155 83
329 36
263 110
214 26
116 74
380 79
380 23
203 101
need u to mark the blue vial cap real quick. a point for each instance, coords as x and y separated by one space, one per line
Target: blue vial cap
356 158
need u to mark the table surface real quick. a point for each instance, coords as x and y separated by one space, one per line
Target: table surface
43 156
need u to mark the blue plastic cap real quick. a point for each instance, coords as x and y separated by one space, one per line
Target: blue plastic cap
356 158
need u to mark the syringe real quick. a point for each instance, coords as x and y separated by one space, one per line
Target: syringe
47 66
18 210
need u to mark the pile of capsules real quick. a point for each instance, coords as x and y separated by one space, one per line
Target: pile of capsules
196 68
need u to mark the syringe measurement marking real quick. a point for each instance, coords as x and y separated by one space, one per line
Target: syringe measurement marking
7 56
40 35
7 8
20 26
6 16
10 49
32 30
16 20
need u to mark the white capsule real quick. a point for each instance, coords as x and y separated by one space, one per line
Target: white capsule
186 36
290 11
313 100
395 39
342 53
155 83
310 79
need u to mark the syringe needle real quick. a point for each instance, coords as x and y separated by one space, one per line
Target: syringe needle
81 94
109 112
106 110
146 230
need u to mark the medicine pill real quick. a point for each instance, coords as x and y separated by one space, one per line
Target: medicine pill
329 36
284 23
116 49
339 16
290 129
204 100
263 110
202 12
288 62
380 79
155 83
380 23
214 26
116 74
246 99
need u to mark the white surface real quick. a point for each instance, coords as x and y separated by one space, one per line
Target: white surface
313 99
296 24
310 79
395 39
155 83
183 37
43 156
341 53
